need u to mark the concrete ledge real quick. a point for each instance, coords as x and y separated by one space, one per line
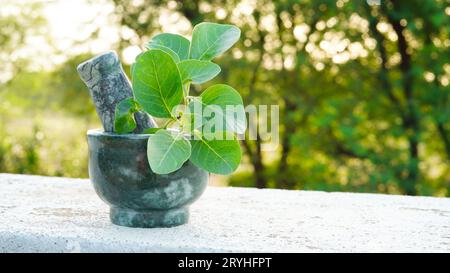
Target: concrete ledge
47 214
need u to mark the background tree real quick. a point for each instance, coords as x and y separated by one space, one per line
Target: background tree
357 85
362 89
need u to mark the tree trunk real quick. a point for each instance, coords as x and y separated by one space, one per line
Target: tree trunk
411 121
260 176
444 136
257 163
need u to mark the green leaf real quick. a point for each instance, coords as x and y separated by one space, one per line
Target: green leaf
220 156
225 103
173 42
198 71
210 40
166 151
169 51
151 130
132 68
124 116
157 83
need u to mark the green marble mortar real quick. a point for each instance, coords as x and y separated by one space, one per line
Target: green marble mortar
137 197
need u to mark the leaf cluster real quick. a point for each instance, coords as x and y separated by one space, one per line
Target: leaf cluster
161 79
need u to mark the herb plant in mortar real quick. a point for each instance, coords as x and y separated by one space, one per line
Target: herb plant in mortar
200 129
150 177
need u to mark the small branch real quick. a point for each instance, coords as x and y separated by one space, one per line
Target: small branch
342 149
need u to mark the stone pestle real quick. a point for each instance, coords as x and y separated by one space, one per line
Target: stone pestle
108 85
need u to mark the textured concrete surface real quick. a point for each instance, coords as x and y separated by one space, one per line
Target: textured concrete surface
47 214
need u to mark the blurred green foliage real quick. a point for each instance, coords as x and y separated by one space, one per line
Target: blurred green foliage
363 92
43 114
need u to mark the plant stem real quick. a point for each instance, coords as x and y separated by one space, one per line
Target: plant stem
168 123
186 89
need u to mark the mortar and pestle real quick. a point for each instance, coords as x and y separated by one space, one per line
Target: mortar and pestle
118 163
